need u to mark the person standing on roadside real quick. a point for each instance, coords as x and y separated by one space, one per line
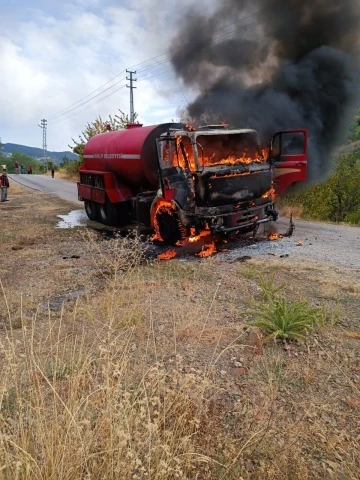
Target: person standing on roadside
30 169
4 184
17 169
52 171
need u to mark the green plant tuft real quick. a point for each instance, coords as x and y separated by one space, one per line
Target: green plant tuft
283 319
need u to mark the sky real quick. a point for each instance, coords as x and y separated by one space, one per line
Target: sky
53 54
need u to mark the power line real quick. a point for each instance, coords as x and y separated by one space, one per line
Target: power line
157 74
78 104
83 110
58 113
153 66
90 99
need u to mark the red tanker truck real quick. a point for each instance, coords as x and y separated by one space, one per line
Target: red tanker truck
178 180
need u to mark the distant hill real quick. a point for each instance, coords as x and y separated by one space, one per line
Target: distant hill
8 148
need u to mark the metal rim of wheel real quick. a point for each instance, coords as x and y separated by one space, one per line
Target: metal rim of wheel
103 212
91 209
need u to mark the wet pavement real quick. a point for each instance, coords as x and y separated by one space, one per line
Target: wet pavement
75 218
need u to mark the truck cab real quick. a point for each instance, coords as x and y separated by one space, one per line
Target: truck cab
218 179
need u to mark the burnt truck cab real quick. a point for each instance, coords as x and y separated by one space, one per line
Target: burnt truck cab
222 180
218 179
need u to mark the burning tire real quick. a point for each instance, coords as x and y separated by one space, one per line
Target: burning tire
168 226
108 213
92 210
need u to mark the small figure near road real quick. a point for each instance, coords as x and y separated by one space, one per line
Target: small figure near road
52 171
17 167
22 168
4 184
30 169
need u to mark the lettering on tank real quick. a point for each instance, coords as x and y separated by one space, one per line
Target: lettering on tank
114 156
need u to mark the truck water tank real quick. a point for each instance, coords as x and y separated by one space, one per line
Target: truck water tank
130 153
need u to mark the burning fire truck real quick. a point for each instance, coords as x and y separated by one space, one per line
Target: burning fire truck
179 181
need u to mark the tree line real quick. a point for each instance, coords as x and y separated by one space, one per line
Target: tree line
21 159
26 160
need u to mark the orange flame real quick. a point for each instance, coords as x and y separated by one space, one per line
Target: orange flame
269 193
265 152
274 236
178 158
167 255
161 205
244 160
208 250
235 174
195 238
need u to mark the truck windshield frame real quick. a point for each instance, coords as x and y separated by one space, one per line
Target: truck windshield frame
179 151
229 148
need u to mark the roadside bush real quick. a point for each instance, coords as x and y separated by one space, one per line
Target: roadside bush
353 217
72 168
337 199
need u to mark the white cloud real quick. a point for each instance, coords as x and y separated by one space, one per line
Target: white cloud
51 58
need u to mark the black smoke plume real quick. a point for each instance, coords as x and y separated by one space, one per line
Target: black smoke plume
289 64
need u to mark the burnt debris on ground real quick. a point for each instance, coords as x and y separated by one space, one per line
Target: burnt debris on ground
236 248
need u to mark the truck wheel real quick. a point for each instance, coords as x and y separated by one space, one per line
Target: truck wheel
92 210
108 214
169 227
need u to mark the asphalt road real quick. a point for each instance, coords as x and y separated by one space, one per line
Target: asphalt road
326 243
53 186
323 242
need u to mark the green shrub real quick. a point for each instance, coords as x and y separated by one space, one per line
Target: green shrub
353 217
283 319
338 198
287 320
72 168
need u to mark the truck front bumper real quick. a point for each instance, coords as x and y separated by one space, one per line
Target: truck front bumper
243 220
252 225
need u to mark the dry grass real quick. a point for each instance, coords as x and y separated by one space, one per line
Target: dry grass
63 174
150 370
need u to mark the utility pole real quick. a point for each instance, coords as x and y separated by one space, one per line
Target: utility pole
131 86
43 126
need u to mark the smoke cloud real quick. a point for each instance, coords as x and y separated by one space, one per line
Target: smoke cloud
275 65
